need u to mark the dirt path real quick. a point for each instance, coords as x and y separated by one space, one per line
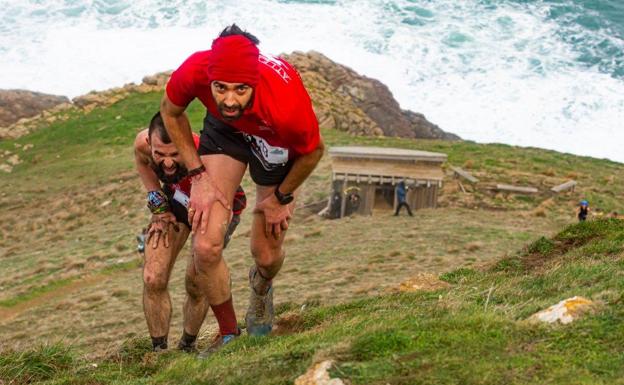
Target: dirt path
9 313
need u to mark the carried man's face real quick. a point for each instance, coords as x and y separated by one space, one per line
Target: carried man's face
231 98
167 161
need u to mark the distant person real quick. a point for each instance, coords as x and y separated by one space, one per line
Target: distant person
583 210
401 193
159 162
353 202
334 207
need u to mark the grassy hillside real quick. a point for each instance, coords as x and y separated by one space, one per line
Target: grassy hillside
472 333
69 212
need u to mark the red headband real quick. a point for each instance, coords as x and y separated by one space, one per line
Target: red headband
234 59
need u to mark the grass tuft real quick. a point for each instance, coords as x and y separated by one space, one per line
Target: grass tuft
37 364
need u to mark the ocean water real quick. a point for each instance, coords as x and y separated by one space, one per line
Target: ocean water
543 73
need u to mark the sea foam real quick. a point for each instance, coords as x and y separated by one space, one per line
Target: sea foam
498 71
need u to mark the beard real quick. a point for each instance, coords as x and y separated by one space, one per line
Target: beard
176 177
237 107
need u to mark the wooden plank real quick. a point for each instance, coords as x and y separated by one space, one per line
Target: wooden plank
389 169
409 197
458 171
569 185
363 152
369 200
431 196
421 202
377 179
516 189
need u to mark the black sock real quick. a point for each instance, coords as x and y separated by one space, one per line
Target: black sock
159 342
187 340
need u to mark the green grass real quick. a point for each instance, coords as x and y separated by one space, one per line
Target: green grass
35 365
471 333
591 239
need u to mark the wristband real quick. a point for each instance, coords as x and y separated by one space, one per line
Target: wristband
196 171
283 199
157 202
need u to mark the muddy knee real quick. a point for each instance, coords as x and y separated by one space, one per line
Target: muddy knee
192 287
208 253
154 282
267 258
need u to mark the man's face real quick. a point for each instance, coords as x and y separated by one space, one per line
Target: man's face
231 98
167 162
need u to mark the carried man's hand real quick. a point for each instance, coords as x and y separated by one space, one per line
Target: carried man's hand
204 193
159 228
276 215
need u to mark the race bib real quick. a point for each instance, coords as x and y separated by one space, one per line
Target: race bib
269 156
181 198
272 154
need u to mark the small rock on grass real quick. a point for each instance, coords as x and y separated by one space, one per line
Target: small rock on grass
318 375
566 311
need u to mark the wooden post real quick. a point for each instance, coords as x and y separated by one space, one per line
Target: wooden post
343 200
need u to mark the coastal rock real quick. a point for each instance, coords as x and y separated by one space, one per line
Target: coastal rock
565 311
350 102
20 104
342 100
318 375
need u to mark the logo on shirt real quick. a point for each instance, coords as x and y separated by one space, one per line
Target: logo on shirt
276 65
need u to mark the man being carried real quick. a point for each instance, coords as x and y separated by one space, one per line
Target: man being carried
158 161
258 114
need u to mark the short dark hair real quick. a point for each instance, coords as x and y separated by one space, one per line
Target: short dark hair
234 29
158 126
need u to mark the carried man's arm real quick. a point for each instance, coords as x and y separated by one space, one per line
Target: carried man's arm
159 224
142 159
204 191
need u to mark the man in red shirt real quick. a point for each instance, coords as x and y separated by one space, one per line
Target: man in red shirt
158 162
258 114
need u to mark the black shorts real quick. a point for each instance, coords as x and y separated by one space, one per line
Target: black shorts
177 208
218 137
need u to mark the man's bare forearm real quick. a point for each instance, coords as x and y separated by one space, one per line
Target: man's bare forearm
142 162
179 129
147 175
301 169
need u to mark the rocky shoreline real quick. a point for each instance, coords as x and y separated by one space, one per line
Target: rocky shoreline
343 100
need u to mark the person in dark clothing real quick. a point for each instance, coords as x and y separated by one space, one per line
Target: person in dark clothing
401 192
583 210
